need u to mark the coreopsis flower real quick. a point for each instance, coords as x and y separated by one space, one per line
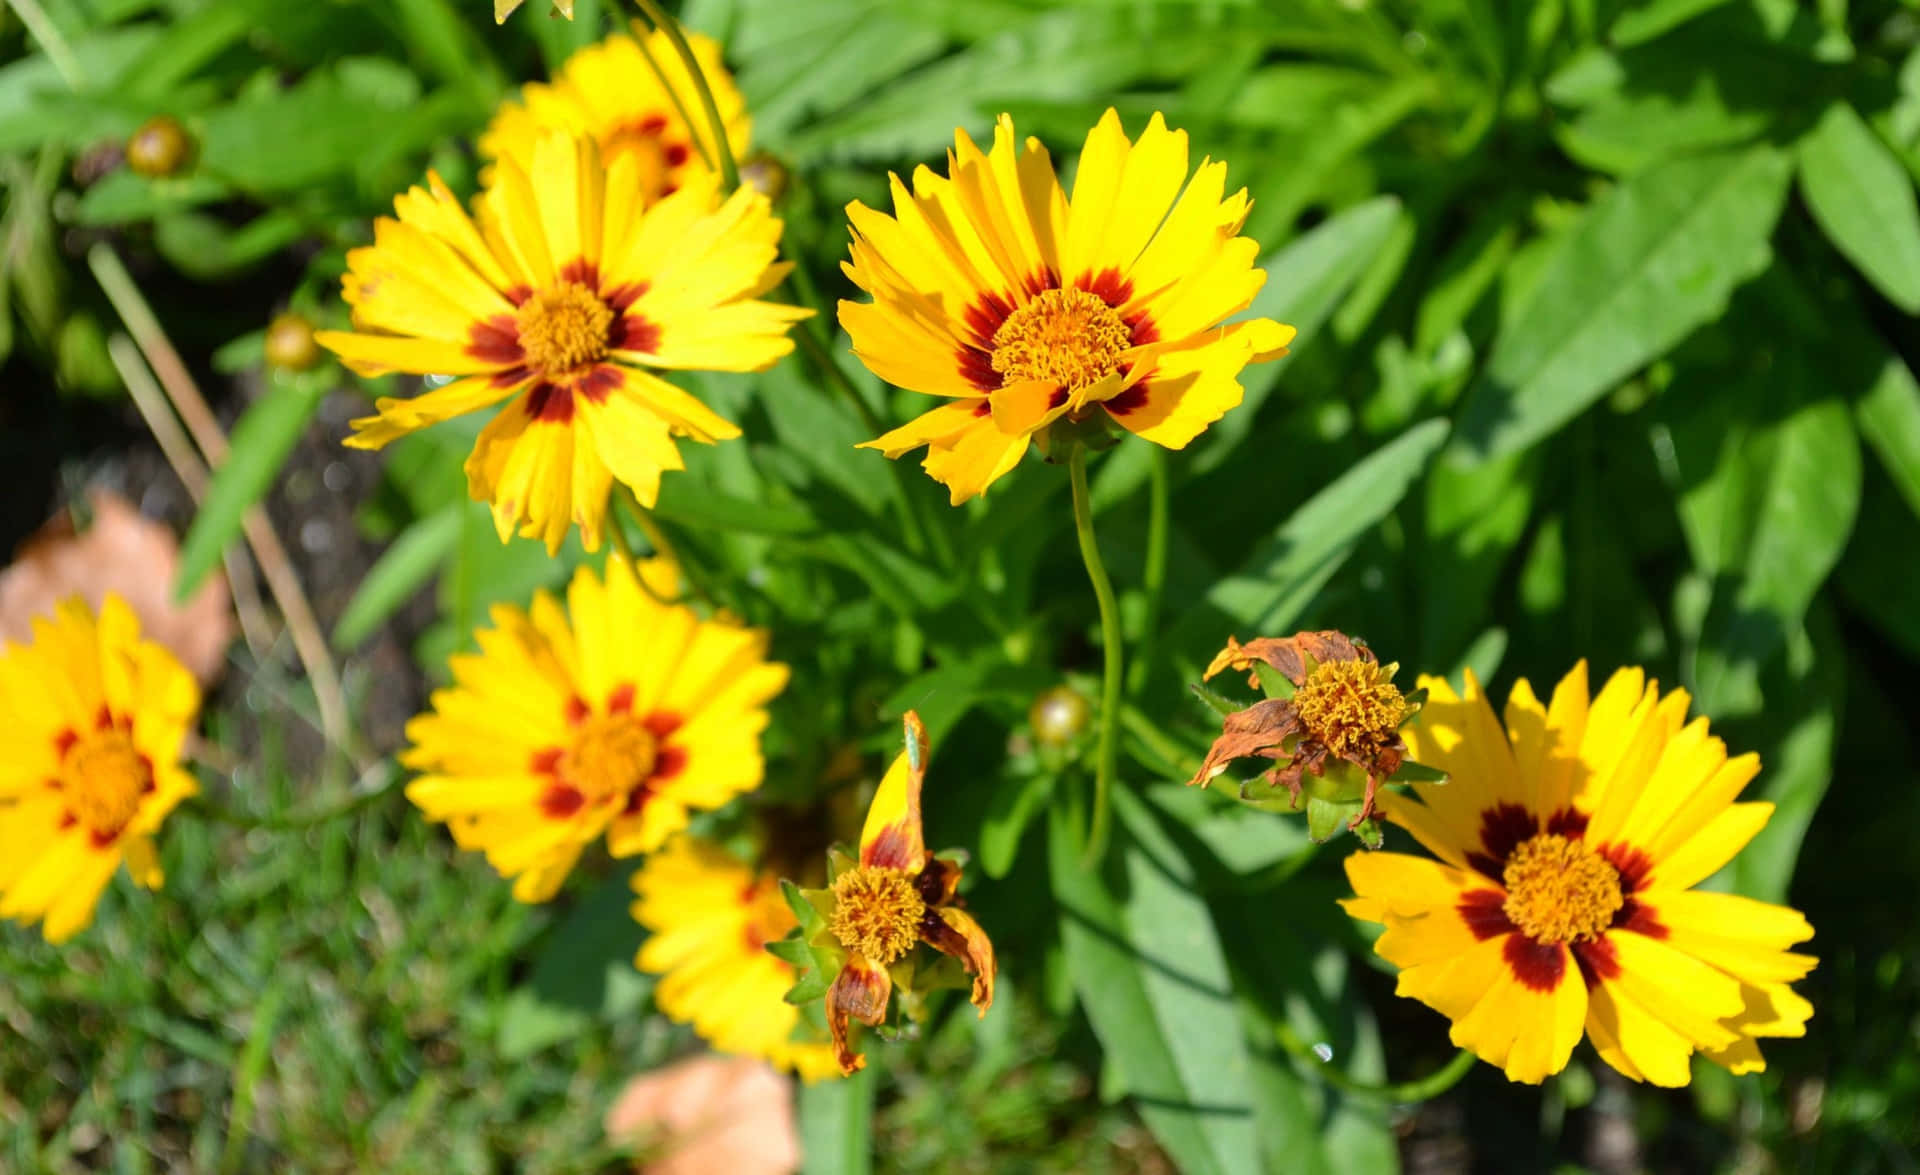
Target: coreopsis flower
565 297
89 761
632 95
879 908
711 915
1018 307
502 9
617 717
1344 709
1569 843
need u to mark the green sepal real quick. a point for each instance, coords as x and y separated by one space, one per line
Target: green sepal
1339 782
791 950
810 916
1412 772
1219 703
1368 831
1259 794
1415 702
811 986
839 860
1326 818
1272 682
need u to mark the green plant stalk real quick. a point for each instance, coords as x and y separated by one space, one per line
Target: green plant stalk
1154 579
617 532
673 95
729 170
1111 640
1418 1090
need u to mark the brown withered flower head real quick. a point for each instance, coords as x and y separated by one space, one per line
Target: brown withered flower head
1344 708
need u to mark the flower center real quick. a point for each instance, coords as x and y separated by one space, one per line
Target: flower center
563 327
102 779
1559 891
1066 337
1350 706
611 755
877 912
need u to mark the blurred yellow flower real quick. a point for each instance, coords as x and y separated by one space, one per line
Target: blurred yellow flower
89 761
565 294
614 94
619 715
711 915
502 9
993 290
1563 900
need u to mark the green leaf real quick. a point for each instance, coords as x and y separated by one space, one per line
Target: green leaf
1147 964
1412 772
1327 819
1273 683
1889 419
1276 582
694 505
1219 703
1015 801
1798 760
584 974
1650 20
261 441
1650 261
1864 201
836 1124
402 570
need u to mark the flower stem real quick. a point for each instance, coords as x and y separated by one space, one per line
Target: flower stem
1420 1089
1111 642
722 150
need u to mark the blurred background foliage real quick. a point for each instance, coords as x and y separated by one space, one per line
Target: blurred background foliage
1607 318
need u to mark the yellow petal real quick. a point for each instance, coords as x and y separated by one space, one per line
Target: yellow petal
892 836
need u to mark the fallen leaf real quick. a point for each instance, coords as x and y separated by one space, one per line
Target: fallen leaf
125 553
710 1113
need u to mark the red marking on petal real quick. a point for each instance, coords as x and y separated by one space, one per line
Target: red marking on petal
1640 919
511 377
976 367
652 124
517 295
68 820
1485 913
1144 331
675 154
596 383
622 296
1131 400
1537 965
1568 822
1040 281
620 701
561 800
497 340
102 840
670 762
662 723
1108 286
1633 865
1598 960
1058 398
63 742
545 762
982 408
986 315
634 332
1502 828
582 271
103 720
893 848
577 710
549 403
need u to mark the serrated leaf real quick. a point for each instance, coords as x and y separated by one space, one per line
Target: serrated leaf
1648 263
802 907
1864 201
1218 703
791 950
261 441
811 985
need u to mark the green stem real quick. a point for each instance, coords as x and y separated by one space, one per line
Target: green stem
1154 579
722 149
1418 1090
662 547
48 34
1111 640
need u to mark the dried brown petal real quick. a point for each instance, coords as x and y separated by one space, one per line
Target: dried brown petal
1257 730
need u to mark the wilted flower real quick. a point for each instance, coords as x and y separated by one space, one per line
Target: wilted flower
711 915
89 761
632 95
1342 716
618 716
1018 307
875 911
566 295
1563 902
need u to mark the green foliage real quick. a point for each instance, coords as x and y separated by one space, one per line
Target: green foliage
1607 349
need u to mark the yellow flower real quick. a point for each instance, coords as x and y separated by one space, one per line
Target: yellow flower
895 898
566 294
1563 900
89 761
502 9
710 916
613 93
994 291
618 716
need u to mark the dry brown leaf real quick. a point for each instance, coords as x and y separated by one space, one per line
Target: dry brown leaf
125 553
710 1113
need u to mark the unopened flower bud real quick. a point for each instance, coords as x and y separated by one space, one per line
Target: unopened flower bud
160 147
289 343
1058 715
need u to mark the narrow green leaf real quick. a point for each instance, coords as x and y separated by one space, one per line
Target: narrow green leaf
403 569
1864 201
1798 759
1273 683
1275 583
1889 420
1150 972
700 506
1015 801
258 448
1412 772
836 1125
582 975
1219 703
1649 262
